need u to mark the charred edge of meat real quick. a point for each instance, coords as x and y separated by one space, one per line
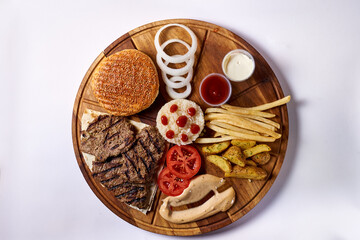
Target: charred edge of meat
137 200
117 186
133 191
115 146
113 124
108 160
143 161
108 180
134 166
96 121
112 136
147 151
107 170
127 174
158 148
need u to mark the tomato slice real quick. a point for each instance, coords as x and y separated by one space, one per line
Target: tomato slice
170 184
183 161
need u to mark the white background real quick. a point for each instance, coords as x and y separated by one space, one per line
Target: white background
46 48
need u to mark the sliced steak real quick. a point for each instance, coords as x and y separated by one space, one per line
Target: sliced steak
107 136
129 174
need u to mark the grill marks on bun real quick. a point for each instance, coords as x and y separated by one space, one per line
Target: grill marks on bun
125 82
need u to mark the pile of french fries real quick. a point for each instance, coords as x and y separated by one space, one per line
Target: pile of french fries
237 129
239 158
233 122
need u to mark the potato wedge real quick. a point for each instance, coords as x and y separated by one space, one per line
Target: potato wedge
251 163
243 144
235 155
249 172
220 162
261 158
216 148
256 149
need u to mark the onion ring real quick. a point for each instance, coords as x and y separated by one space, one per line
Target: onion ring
176 59
176 95
177 81
172 71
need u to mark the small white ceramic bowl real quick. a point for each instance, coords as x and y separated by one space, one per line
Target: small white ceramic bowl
250 68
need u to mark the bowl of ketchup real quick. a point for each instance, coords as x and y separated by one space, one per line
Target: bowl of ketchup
215 89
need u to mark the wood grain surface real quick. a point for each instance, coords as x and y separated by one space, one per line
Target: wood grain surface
213 44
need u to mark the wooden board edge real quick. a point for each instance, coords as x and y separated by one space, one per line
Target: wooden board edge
162 230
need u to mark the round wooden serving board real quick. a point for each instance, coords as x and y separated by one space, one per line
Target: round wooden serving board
213 43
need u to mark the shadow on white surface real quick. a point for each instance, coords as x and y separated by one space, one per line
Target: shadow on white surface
290 156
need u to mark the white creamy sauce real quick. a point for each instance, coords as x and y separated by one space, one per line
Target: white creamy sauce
197 190
239 66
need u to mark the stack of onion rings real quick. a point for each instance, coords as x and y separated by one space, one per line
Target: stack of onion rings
177 79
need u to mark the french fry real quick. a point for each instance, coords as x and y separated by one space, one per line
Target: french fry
243 144
243 123
261 119
249 172
256 149
216 148
218 134
240 135
219 110
223 123
214 139
272 104
220 162
246 111
265 125
235 155
257 118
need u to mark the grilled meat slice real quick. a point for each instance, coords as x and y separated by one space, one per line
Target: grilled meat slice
122 167
134 194
128 174
107 136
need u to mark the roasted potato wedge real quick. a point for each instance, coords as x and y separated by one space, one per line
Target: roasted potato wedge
256 149
221 162
261 158
249 172
251 163
235 155
216 148
243 144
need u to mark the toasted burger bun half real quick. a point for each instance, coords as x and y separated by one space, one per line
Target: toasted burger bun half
125 82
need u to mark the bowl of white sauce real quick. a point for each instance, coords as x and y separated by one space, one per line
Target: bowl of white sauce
238 65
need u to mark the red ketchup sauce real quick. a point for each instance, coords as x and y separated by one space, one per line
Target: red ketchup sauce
215 89
181 121
173 108
184 137
164 120
194 128
191 111
170 134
